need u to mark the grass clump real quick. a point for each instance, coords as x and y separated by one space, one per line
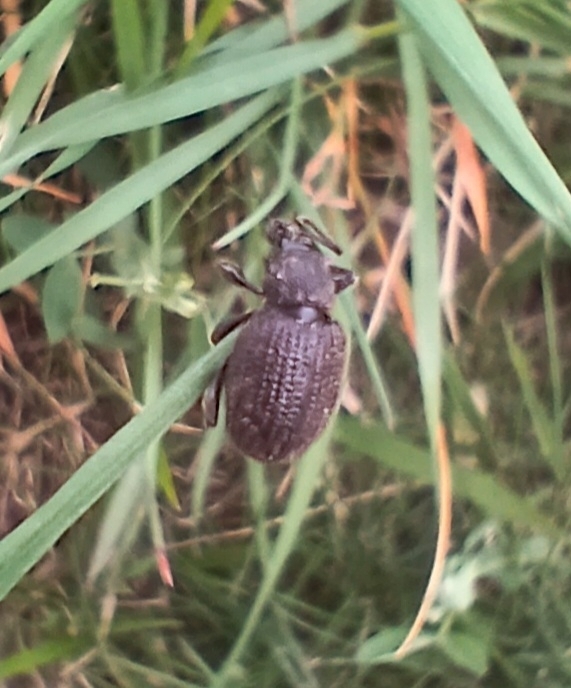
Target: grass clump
138 141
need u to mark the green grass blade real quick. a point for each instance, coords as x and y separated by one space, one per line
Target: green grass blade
104 114
376 379
543 426
64 160
25 545
132 193
130 41
556 377
424 239
209 22
537 22
204 463
44 653
307 475
122 518
255 38
461 401
35 74
482 489
52 15
469 78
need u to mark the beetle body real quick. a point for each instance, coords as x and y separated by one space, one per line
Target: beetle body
283 378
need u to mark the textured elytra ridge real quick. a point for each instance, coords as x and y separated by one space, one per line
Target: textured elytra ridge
282 383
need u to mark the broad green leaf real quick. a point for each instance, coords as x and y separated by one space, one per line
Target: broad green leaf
87 328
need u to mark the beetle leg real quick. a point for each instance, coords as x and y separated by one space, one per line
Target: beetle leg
235 275
341 277
211 399
212 394
228 325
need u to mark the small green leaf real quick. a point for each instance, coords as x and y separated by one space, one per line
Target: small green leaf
22 231
466 650
88 328
62 298
381 646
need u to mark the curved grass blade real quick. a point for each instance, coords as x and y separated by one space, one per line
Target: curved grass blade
25 545
482 489
108 113
54 13
132 193
468 76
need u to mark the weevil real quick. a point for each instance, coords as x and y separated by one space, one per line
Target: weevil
282 380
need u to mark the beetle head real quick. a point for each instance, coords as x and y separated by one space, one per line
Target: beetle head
301 231
297 273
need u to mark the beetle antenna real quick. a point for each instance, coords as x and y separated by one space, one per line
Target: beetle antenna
320 237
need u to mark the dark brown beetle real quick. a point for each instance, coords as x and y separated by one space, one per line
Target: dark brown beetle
283 376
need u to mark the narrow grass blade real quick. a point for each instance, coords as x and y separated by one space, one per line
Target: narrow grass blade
209 22
308 471
544 24
373 369
35 74
424 239
130 41
25 545
256 37
543 426
462 401
204 462
108 113
53 14
482 489
132 193
44 653
469 78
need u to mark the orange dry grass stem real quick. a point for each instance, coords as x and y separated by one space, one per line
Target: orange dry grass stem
11 22
442 543
472 179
